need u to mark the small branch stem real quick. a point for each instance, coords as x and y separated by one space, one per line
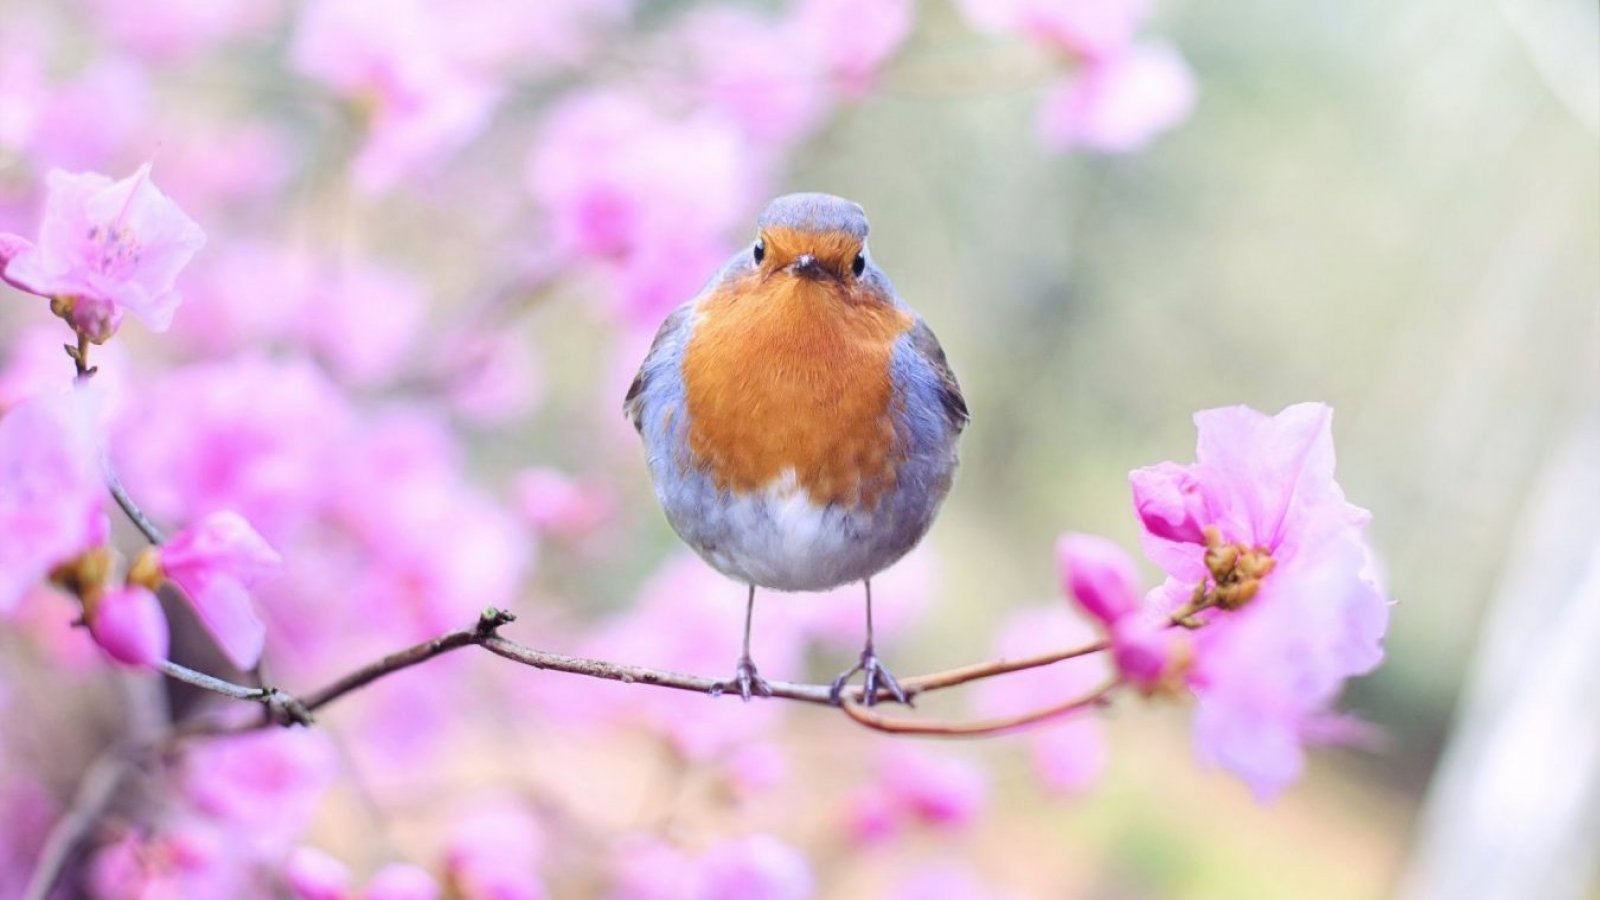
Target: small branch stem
95 793
984 727
130 508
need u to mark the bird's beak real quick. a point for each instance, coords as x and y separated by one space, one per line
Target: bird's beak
806 266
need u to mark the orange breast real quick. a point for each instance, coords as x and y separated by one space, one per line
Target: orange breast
784 373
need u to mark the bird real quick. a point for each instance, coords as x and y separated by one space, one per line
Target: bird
799 419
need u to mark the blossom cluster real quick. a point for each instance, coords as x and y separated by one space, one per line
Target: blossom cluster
340 441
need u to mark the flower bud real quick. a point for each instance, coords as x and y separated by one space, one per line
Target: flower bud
1170 503
129 625
1096 573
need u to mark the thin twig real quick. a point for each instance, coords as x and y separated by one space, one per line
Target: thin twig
287 709
95 793
480 633
130 508
984 727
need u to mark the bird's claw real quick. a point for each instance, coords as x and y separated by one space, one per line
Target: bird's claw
876 678
748 681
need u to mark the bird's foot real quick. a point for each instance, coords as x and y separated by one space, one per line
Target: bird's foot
747 681
876 679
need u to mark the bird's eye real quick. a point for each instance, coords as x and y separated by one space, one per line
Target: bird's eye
859 265
760 252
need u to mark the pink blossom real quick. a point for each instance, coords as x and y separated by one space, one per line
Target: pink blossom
401 881
647 868
744 65
634 188
50 488
421 103
758 867
129 625
873 816
852 40
176 28
364 320
1097 574
186 446
86 121
1069 754
529 39
686 618
267 784
214 560
900 596
1170 503
1120 103
941 880
554 503
493 379
184 861
494 852
939 789
1267 672
26 814
117 245
313 874
1090 29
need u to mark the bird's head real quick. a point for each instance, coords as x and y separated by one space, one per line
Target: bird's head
816 241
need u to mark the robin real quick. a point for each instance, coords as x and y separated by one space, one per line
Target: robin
799 418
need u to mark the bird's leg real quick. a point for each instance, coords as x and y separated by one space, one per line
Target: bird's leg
876 676
746 678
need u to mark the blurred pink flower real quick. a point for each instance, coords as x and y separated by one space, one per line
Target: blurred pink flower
383 55
938 788
215 560
493 379
89 121
1266 673
1090 29
494 853
117 244
184 861
757 867
313 874
912 783
51 490
635 189
648 868
900 596
1101 578
186 445
176 28
529 39
437 548
26 815
364 320
686 618
267 784
129 625
1069 754
1119 103
941 880
744 65
401 881
554 503
851 41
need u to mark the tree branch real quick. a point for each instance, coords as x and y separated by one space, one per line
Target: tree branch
282 708
95 793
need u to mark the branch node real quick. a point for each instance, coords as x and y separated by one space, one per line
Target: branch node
490 620
286 709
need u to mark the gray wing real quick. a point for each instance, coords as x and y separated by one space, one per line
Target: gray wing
664 350
953 404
